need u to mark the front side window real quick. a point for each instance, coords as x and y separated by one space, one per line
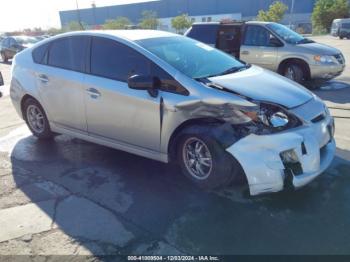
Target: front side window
192 58
257 36
113 60
69 53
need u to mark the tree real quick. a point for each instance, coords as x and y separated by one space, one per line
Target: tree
118 23
149 20
325 11
274 14
74 26
181 22
54 31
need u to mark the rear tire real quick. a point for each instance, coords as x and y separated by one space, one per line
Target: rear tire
36 119
219 168
293 72
4 58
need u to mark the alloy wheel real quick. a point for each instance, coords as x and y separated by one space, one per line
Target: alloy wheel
35 118
197 158
289 73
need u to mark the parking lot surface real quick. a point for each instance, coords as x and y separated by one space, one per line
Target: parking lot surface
68 196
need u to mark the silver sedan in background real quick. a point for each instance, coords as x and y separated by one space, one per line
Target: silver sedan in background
171 98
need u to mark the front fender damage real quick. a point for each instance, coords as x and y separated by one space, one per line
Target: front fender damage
257 148
223 110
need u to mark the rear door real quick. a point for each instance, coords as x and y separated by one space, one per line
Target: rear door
60 80
229 39
256 47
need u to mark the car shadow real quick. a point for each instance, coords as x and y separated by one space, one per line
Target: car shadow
334 91
111 202
6 63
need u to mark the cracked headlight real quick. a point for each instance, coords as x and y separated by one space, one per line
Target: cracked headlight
272 118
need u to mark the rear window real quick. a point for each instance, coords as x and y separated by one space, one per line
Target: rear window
39 54
204 33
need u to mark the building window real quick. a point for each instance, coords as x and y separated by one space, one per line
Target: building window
203 19
209 19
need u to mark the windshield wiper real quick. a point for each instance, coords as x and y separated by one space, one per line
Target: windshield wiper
304 41
230 71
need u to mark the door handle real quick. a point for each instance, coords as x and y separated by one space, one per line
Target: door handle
93 92
245 52
43 78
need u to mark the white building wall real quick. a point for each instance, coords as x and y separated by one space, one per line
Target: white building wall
165 23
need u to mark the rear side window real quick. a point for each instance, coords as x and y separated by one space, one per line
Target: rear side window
40 54
69 53
116 61
346 25
204 33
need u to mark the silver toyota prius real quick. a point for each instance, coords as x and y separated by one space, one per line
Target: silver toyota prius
171 98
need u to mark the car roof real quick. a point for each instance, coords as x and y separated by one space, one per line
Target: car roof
233 23
342 20
131 35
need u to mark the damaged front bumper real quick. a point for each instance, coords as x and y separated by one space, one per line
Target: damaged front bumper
267 171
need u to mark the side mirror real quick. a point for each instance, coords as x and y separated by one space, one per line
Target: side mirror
275 42
145 82
1 80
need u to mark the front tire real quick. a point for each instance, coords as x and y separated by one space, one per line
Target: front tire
36 119
293 72
203 160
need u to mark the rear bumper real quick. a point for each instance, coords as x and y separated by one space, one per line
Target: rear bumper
260 157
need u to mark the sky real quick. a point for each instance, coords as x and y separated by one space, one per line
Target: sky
21 14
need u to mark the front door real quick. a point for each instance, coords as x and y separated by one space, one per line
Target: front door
257 49
114 111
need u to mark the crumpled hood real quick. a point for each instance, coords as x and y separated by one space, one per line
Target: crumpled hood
263 85
319 49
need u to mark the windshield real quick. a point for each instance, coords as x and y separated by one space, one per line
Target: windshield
26 40
192 58
288 35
